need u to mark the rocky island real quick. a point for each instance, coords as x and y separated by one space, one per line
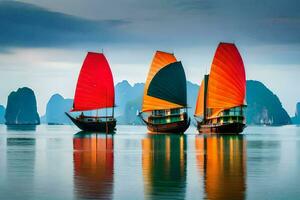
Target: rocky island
56 108
296 118
2 113
264 107
21 108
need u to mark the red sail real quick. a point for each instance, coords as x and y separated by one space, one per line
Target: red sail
227 79
95 85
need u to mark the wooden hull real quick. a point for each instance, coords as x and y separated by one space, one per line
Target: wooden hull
230 129
175 127
104 127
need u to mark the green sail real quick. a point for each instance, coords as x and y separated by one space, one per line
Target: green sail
169 84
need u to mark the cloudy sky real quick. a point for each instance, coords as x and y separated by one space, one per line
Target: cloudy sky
43 43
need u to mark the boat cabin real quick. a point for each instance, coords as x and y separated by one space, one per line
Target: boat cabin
167 116
231 115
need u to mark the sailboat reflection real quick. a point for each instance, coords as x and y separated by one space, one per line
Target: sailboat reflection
223 164
93 165
164 166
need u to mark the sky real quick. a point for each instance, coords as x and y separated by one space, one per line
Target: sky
43 43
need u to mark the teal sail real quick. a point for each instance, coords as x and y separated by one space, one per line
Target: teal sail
169 84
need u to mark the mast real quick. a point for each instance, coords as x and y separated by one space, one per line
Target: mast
206 77
106 114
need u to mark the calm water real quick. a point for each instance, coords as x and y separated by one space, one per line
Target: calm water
56 162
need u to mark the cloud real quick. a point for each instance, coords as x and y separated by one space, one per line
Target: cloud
192 5
26 25
167 23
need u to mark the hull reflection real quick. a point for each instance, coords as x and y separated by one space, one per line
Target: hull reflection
93 165
223 164
164 166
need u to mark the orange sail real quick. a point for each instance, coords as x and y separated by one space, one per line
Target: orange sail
227 80
160 61
200 101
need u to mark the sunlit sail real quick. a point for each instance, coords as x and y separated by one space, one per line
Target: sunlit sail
164 107
94 90
221 99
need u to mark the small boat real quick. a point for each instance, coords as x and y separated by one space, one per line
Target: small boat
220 106
94 91
164 107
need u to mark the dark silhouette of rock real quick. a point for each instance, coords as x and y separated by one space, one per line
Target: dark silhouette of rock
298 109
56 108
264 107
2 113
22 108
296 118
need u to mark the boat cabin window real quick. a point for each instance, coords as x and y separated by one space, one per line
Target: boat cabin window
175 111
225 119
158 112
226 112
236 111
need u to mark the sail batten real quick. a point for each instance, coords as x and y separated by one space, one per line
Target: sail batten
227 82
226 85
95 86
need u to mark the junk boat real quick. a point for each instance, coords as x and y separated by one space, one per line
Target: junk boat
94 91
164 107
220 106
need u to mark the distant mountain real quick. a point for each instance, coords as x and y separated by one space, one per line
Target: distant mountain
122 92
56 108
21 107
2 113
128 101
264 106
192 94
296 118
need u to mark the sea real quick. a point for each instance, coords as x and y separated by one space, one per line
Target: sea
60 162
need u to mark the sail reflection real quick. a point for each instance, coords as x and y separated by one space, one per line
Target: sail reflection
93 166
223 164
164 166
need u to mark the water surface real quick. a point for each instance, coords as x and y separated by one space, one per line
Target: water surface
59 162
